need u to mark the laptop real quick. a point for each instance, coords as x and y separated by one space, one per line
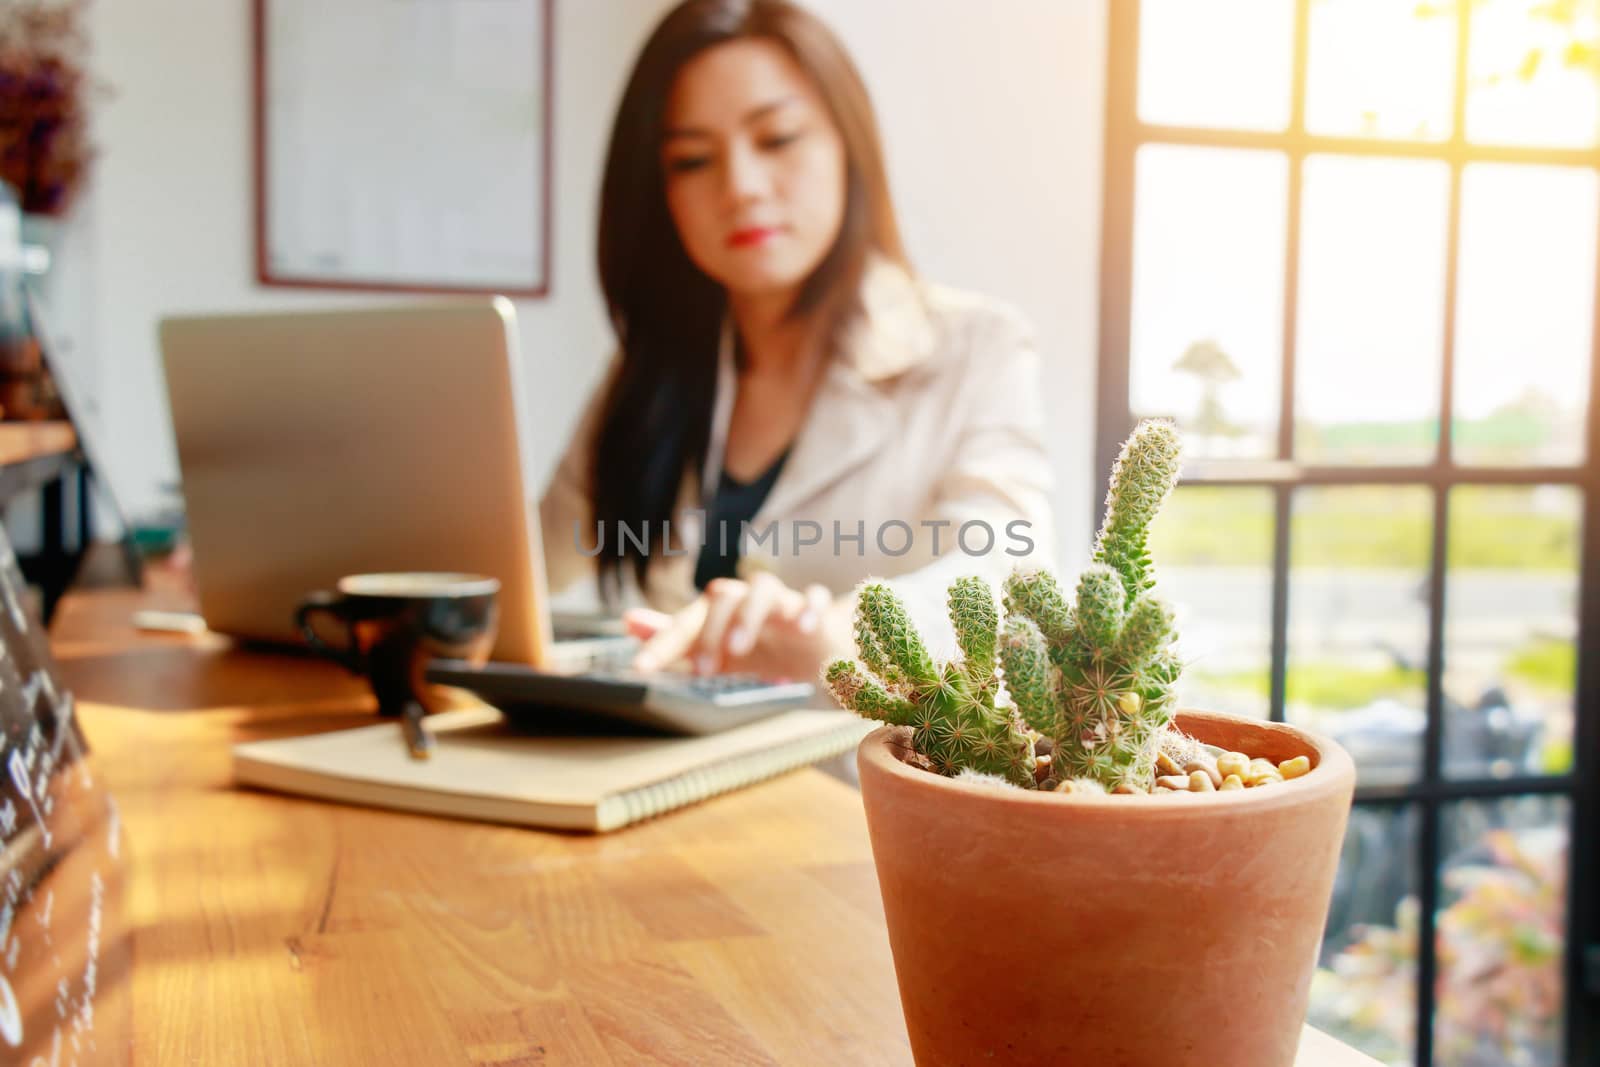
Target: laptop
318 444
314 445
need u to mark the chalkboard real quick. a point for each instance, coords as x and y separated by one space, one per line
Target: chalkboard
61 861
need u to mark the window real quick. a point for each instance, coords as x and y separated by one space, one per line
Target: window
1351 247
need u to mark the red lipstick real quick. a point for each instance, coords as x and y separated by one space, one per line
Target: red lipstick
751 235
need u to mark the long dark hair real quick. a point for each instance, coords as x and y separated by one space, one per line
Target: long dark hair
656 417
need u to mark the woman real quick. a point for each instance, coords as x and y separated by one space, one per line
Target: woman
781 372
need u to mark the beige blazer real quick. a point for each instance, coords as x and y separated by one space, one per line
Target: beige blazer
929 418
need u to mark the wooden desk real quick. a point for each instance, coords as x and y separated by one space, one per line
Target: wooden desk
268 930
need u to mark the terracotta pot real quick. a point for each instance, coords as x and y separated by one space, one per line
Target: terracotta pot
1113 931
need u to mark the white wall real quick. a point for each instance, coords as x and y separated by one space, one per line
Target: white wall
992 113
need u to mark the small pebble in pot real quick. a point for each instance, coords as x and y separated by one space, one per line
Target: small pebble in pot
1205 767
1044 746
1294 768
1236 763
1041 768
1233 781
1173 781
1165 766
1260 768
1200 782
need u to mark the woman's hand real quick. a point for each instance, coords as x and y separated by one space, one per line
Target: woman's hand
760 626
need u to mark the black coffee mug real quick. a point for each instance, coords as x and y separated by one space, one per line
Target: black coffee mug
398 622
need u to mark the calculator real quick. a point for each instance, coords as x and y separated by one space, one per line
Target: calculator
664 701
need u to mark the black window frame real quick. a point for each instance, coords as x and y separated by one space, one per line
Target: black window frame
1432 792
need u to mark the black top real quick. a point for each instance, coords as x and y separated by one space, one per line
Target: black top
734 504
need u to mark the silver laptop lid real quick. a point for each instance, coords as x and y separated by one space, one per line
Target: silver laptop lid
318 444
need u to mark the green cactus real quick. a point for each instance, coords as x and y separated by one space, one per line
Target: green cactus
1098 677
951 709
1096 674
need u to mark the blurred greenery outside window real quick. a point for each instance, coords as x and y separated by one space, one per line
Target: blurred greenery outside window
1372 317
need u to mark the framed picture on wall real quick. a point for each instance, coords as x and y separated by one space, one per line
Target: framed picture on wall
403 146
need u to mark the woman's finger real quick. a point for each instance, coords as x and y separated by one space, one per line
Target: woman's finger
674 641
817 600
723 597
766 596
644 623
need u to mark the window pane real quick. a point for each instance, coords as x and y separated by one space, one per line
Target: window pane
1533 73
1207 328
1220 64
1371 311
1213 553
1511 630
1501 932
1358 623
1365 989
1525 315
1378 68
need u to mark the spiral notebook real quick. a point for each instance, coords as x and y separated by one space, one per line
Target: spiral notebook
483 769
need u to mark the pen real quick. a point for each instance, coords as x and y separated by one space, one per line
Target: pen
418 740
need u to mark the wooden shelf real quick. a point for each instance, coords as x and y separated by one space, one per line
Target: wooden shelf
21 442
45 456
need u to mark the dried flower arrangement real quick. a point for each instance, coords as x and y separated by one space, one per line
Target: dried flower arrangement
44 102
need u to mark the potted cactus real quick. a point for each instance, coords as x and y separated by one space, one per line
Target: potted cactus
1073 870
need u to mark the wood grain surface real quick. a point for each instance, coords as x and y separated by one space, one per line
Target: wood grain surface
22 441
272 930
